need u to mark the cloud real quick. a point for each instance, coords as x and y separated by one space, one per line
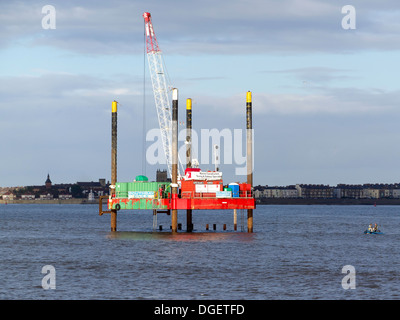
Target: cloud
335 101
315 75
256 26
61 123
320 101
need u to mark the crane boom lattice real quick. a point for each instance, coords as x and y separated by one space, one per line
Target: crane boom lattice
161 92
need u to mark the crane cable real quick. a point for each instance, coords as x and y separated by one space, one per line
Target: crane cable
144 104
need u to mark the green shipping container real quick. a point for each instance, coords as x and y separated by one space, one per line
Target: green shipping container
143 186
131 186
121 189
147 186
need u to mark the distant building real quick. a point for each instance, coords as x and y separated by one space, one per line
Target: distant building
280 192
276 192
349 191
91 196
258 193
63 190
102 182
161 176
64 196
314 191
371 193
396 193
27 197
290 192
48 182
8 196
99 188
46 196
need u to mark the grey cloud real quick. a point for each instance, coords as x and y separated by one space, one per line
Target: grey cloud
186 27
315 75
63 121
342 102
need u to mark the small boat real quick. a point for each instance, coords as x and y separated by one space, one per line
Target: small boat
373 232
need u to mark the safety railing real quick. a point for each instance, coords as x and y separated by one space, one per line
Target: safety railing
202 195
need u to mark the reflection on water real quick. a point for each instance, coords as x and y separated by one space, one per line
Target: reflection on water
182 236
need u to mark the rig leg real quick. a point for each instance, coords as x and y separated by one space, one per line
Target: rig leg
113 220
250 220
174 177
249 159
174 220
113 160
189 224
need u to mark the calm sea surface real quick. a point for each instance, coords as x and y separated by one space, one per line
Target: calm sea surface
296 252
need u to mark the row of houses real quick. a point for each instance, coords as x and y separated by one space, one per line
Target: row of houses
33 197
11 197
320 191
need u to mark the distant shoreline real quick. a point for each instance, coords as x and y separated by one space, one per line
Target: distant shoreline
299 201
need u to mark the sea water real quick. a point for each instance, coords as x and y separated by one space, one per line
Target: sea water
295 252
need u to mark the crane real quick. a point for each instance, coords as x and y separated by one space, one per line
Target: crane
161 93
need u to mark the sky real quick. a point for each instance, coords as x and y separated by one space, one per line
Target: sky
325 97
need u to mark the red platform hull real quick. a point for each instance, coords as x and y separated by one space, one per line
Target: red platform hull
183 204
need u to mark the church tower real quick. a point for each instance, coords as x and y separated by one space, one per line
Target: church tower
48 182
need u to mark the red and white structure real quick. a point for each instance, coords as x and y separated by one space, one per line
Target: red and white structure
196 189
162 96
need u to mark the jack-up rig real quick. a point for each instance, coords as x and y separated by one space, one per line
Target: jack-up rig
196 189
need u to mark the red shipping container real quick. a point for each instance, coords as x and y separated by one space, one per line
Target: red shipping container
244 187
244 190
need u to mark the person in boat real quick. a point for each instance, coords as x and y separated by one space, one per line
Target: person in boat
375 227
370 229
